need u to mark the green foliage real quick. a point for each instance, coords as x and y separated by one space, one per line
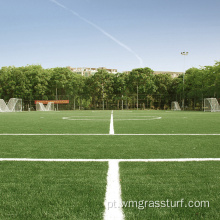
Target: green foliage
33 82
162 83
23 82
121 84
143 79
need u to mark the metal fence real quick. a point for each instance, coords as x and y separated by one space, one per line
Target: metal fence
128 102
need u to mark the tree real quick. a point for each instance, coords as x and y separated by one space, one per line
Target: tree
7 82
37 80
141 80
60 81
101 87
163 84
195 85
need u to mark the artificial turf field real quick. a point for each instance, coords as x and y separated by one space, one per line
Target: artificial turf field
76 190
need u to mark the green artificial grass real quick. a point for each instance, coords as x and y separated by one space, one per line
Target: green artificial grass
55 122
73 190
52 190
172 122
110 147
98 122
170 181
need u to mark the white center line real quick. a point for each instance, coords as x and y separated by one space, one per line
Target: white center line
113 207
111 130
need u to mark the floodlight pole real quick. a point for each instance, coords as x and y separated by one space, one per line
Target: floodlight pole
184 54
137 96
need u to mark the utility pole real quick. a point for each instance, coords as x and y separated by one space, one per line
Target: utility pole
56 98
184 54
103 102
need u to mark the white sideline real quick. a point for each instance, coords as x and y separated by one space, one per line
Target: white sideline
111 130
113 193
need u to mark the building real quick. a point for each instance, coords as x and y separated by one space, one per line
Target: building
85 71
173 74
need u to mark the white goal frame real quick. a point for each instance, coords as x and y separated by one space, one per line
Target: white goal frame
41 107
211 105
175 106
13 105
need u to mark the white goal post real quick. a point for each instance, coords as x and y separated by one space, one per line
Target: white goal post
13 105
211 105
41 107
175 106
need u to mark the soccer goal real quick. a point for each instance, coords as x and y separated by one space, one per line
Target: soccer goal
175 106
13 105
3 106
211 105
41 107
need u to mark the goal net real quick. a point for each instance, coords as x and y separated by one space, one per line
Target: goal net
3 106
211 105
41 107
14 105
175 106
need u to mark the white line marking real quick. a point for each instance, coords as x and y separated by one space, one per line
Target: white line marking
81 116
113 201
113 209
87 119
109 160
105 134
111 130
145 116
135 119
53 160
84 118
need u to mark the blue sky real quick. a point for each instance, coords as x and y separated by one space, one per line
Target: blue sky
155 31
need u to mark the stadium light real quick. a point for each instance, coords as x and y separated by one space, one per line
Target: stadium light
184 54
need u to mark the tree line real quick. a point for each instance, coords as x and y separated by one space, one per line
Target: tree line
140 88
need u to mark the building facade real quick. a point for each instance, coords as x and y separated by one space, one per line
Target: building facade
173 74
85 71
